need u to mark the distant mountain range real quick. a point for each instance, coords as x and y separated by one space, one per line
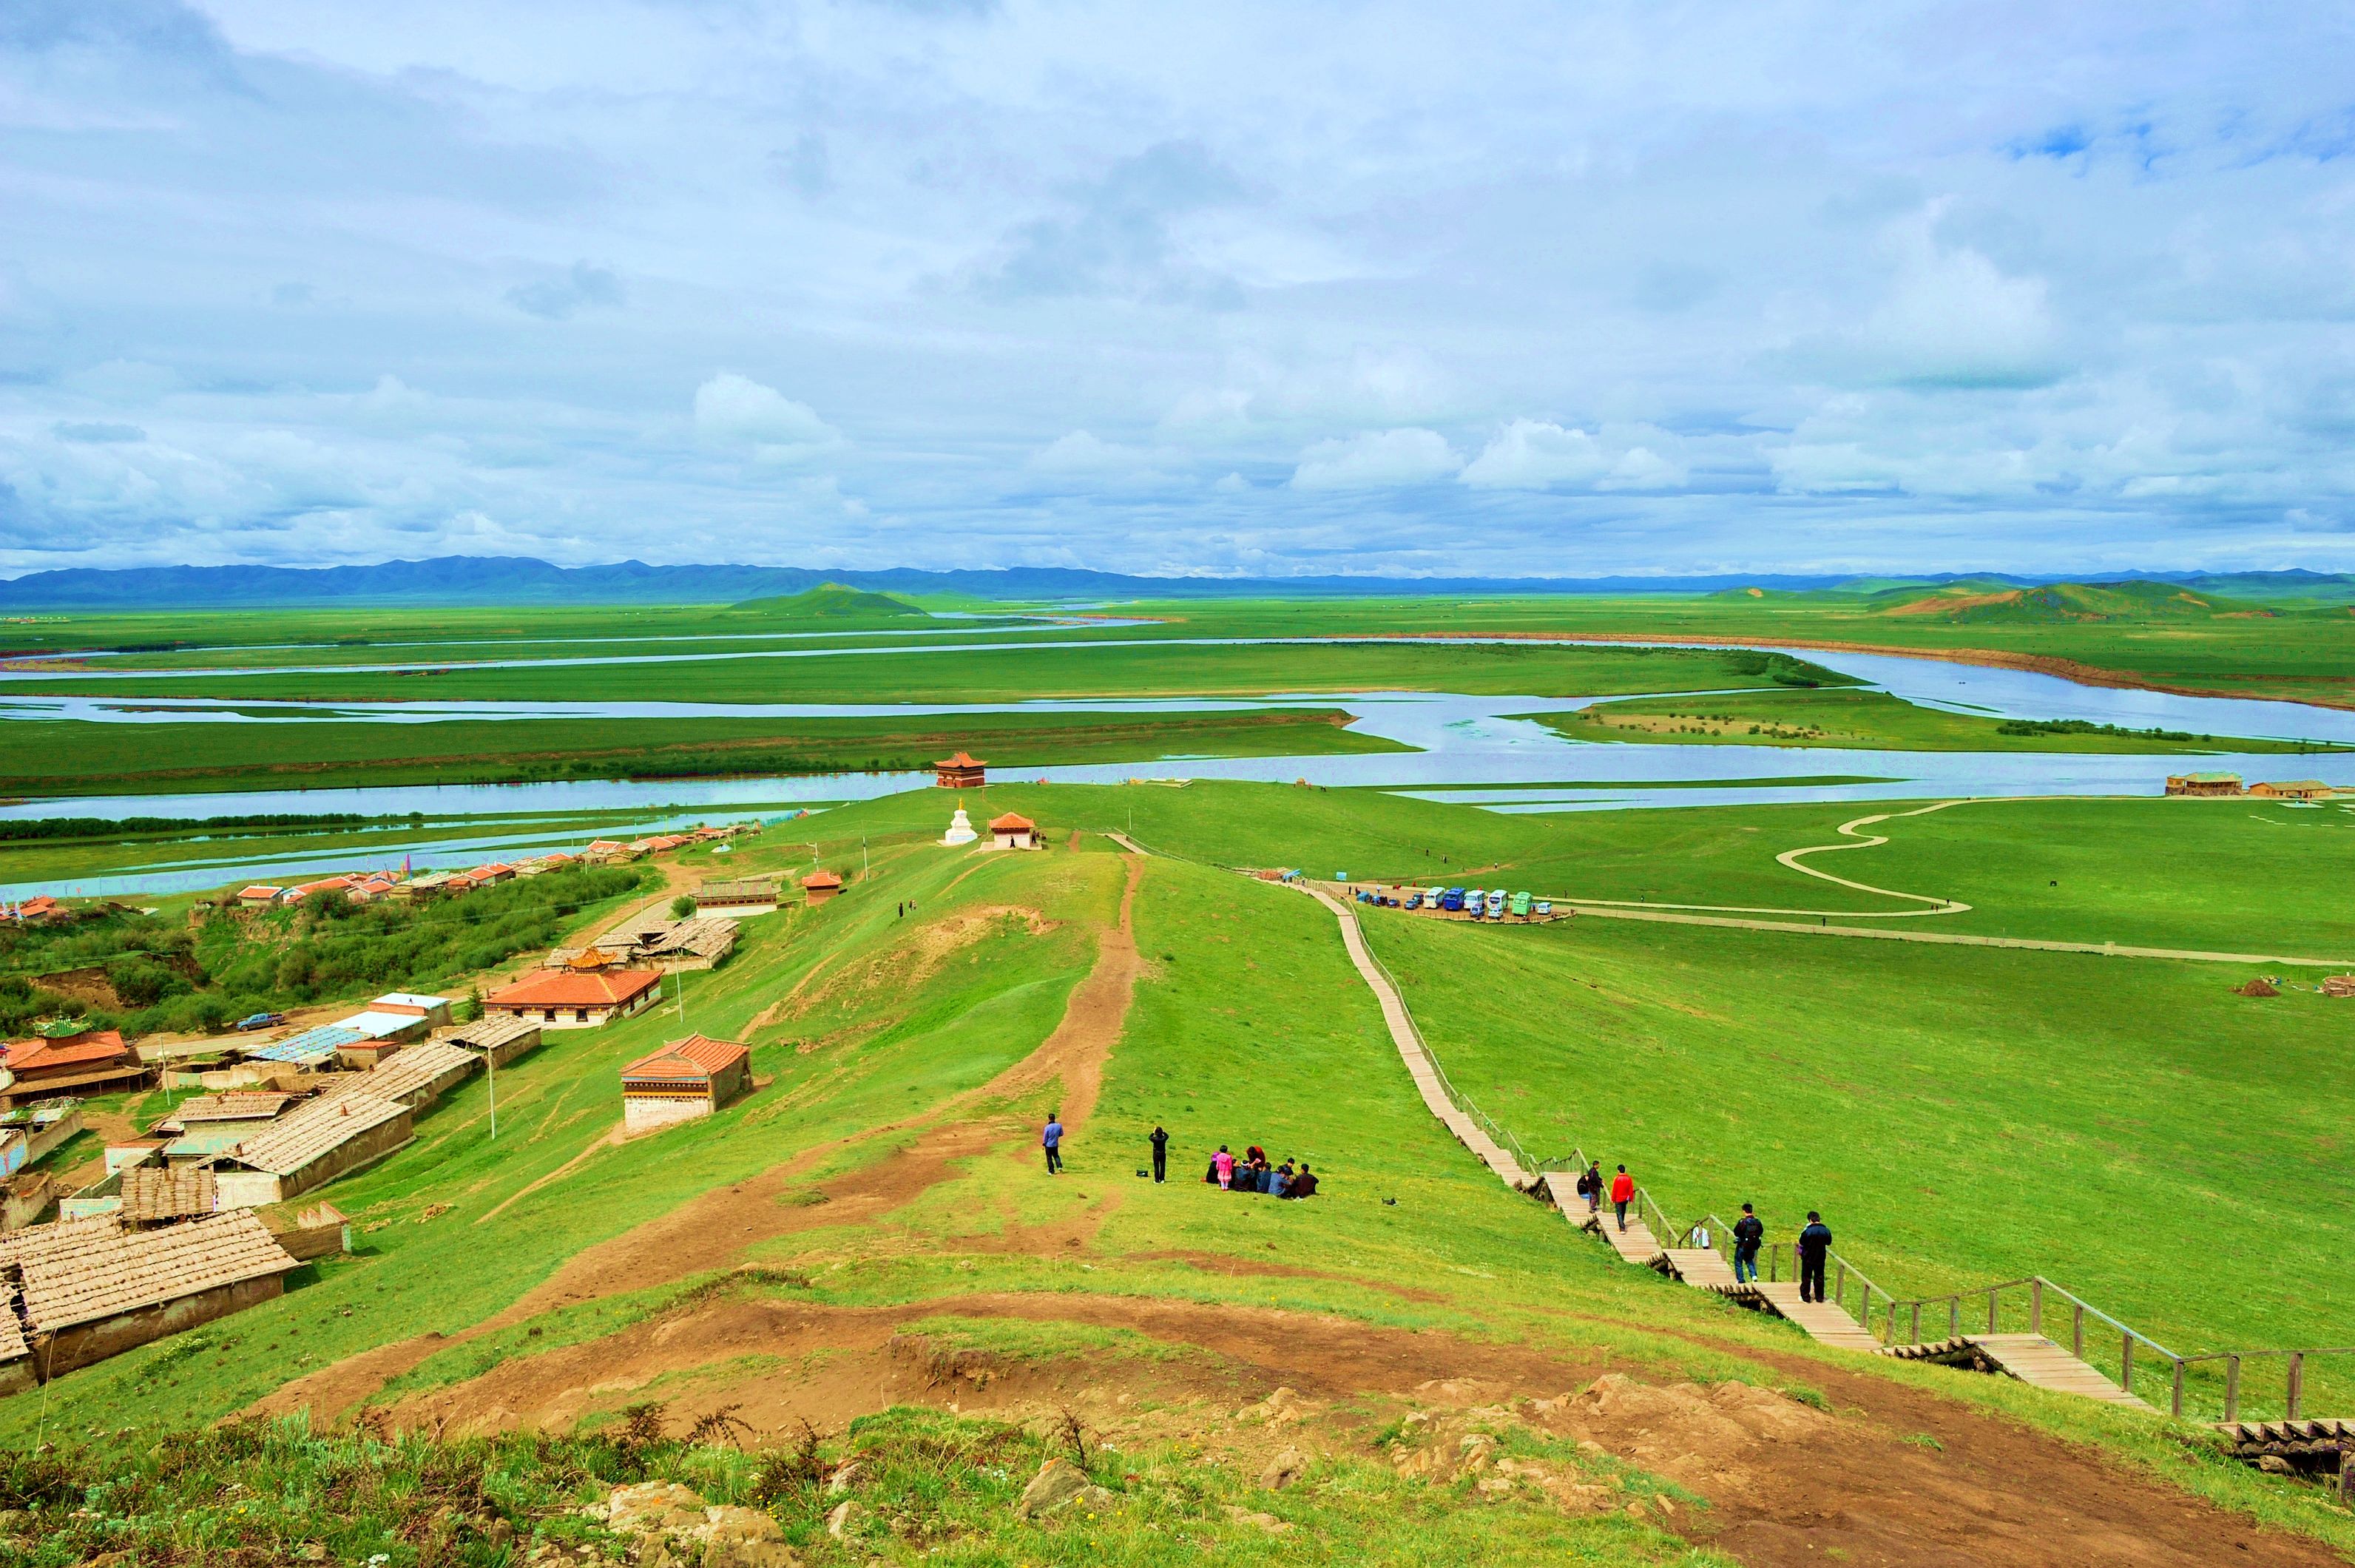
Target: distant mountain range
510 579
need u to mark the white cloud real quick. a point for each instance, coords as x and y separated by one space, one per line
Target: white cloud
733 408
1081 453
1376 460
1535 454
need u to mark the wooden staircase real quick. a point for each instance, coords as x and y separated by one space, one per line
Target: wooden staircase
2033 1359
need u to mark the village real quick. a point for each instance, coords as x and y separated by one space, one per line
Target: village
208 1209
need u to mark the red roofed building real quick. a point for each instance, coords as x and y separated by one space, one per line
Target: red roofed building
960 771
261 895
95 1061
323 885
821 886
39 910
1013 832
568 999
686 1079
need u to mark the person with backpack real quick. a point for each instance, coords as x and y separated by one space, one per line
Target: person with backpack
1160 1141
1815 1246
1623 1192
1586 1188
1748 1233
1052 1141
1593 1187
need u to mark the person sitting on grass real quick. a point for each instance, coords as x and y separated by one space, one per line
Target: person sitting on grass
1279 1180
1305 1184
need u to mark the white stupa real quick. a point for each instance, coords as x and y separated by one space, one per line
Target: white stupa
960 828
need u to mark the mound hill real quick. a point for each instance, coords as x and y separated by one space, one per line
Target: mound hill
835 601
2136 600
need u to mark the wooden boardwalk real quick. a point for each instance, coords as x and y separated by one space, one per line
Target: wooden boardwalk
1703 1267
2029 1357
1419 1065
2033 1359
1821 1320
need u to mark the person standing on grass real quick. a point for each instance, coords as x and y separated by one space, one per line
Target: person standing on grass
1748 1231
1052 1140
1223 1165
1623 1192
1815 1246
1160 1153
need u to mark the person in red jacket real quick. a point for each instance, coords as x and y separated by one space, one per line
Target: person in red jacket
1623 1192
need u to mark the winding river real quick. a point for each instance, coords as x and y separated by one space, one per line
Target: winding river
1469 749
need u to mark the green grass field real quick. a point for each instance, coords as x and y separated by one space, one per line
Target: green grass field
1862 720
78 757
2131 1128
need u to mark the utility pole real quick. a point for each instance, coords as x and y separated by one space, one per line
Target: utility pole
862 853
491 1061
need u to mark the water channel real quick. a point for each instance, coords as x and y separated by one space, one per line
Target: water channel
1469 749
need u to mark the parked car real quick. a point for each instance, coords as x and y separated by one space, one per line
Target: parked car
1545 906
1474 900
259 1021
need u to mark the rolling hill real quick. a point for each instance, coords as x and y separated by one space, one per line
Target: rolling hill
834 602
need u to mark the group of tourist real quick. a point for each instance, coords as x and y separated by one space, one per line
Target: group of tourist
1749 1231
1253 1173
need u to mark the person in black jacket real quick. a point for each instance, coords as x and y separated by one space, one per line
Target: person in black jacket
1593 1188
1160 1155
1748 1231
1815 1246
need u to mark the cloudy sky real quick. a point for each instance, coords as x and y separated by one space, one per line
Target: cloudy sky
1540 289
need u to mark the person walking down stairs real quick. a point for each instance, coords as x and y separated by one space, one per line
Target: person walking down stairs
1748 1233
1623 1192
1815 1246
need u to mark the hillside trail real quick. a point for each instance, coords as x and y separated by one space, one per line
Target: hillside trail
713 1230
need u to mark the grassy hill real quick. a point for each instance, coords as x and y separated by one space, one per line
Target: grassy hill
868 1243
1972 603
833 601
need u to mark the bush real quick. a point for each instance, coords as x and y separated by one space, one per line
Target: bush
682 907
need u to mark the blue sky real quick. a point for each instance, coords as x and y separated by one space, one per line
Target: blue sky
1527 289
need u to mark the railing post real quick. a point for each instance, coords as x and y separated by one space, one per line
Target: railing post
1774 1262
2296 1382
1917 1322
1954 1318
2176 1408
2036 1304
2077 1332
2126 1362
2231 1388
1839 1288
1990 1311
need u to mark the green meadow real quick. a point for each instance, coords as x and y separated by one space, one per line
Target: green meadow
2130 1128
1865 720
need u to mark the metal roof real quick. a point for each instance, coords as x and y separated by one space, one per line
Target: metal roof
313 1131
311 1045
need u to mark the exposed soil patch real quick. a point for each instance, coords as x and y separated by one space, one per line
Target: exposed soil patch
1786 1482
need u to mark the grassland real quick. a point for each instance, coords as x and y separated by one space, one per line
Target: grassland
1865 720
81 757
889 1202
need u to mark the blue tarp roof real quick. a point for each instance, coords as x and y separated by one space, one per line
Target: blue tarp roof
311 1045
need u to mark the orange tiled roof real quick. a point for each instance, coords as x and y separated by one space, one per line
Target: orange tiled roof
821 880
73 1051
558 988
960 761
695 1058
1011 823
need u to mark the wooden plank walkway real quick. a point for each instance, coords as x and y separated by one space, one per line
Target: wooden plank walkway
2033 1359
1419 1065
1821 1320
1702 1267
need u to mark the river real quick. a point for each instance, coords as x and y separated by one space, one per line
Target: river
1467 747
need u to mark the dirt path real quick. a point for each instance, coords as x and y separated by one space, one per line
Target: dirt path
1787 1485
714 1230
